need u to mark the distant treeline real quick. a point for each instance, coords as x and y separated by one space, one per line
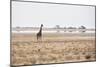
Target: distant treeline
56 28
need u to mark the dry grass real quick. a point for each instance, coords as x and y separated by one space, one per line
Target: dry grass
52 49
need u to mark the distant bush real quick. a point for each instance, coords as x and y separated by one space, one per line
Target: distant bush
65 29
18 29
71 28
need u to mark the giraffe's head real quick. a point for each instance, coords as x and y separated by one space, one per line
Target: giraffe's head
41 25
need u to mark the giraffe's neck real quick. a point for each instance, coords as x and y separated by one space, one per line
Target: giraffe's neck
40 30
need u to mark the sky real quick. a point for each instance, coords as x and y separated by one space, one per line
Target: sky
27 14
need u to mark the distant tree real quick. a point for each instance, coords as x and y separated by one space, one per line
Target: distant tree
57 27
82 27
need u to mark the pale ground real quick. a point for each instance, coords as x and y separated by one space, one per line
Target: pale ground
54 48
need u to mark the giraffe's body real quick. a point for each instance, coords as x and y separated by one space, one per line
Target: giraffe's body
39 34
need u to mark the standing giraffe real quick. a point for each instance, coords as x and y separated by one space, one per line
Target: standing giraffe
39 34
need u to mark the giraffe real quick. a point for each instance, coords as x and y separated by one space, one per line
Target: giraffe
39 34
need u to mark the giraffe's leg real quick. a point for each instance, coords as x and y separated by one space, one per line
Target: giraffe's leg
37 37
41 38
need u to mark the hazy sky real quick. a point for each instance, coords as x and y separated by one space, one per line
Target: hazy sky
33 14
